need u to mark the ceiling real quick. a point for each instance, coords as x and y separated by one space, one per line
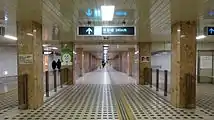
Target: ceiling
158 20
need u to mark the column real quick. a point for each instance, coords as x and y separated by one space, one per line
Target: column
29 44
79 65
183 61
131 60
68 62
144 60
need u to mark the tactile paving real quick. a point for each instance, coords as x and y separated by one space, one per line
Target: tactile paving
148 105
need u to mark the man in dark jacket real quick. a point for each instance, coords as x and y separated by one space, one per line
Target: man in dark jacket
58 64
54 64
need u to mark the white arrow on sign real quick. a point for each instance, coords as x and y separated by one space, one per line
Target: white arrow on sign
211 30
89 30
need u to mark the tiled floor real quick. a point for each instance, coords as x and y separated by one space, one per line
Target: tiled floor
90 101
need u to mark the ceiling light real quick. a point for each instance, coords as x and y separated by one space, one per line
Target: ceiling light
107 13
29 34
54 48
10 37
47 53
45 45
106 45
200 37
105 48
74 52
136 52
179 30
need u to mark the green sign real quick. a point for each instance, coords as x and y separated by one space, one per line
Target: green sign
67 56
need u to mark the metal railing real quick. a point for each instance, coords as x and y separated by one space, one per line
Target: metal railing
16 88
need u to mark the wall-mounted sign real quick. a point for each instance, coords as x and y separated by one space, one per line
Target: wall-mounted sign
206 62
106 31
25 59
145 58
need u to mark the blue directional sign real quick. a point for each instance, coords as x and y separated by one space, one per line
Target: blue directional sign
121 13
118 31
89 12
210 30
86 31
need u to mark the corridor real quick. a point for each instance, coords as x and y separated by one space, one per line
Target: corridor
106 94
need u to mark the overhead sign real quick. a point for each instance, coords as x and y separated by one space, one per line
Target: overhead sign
88 31
210 30
106 31
95 13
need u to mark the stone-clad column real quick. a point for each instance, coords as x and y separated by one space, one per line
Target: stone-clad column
30 59
183 63
144 60
131 52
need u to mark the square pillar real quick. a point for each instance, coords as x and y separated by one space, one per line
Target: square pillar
144 60
29 51
68 62
30 59
183 63
131 60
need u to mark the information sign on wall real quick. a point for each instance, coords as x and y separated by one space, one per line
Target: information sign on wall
25 59
145 58
67 56
206 62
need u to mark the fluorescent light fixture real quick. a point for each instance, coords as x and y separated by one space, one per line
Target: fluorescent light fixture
106 45
10 37
45 45
107 13
105 48
29 34
201 37
47 53
136 52
54 48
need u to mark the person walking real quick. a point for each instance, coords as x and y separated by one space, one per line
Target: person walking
59 65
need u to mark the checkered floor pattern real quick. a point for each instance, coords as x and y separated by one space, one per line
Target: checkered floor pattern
98 102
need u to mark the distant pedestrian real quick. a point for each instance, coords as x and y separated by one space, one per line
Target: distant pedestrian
59 65
54 65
